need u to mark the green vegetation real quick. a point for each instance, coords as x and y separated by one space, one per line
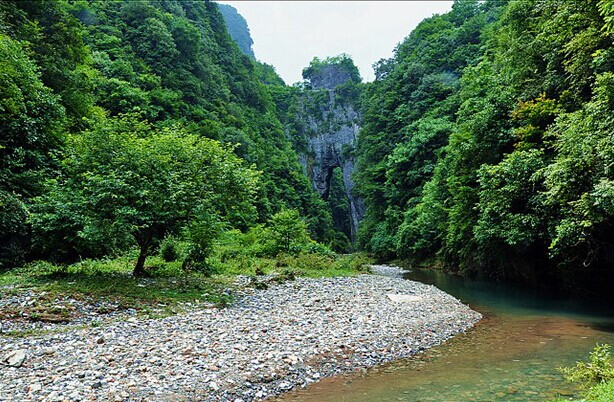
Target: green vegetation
143 161
125 185
486 143
282 249
238 29
487 140
596 377
342 62
124 123
168 289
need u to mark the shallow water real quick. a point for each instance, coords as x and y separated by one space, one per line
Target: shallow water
511 355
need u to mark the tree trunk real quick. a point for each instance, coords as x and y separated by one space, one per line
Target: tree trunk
143 239
139 269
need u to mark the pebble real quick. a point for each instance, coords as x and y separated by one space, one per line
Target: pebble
15 358
268 342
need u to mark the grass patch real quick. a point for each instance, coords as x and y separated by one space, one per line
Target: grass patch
111 279
167 290
304 264
603 392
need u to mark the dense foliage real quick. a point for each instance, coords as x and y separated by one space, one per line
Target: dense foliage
103 102
125 184
487 142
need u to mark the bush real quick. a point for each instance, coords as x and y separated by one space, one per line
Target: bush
599 369
289 231
197 260
317 248
354 263
169 249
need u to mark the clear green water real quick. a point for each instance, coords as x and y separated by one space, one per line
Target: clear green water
511 355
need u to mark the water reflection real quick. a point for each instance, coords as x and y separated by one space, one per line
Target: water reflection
511 355
510 299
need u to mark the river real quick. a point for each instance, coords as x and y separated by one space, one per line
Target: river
512 354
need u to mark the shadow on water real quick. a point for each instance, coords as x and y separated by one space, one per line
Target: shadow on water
511 355
510 299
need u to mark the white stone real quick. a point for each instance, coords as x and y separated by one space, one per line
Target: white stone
15 358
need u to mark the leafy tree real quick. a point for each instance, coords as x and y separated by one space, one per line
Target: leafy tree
31 128
126 183
606 9
174 61
68 64
580 180
492 155
54 41
410 113
288 229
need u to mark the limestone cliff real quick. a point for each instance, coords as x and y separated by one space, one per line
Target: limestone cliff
328 110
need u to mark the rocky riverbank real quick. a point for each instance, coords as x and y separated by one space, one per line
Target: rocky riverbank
268 342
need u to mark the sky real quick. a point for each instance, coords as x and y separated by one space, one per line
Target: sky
288 34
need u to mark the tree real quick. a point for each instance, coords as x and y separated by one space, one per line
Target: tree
288 229
53 39
580 181
127 184
31 127
410 113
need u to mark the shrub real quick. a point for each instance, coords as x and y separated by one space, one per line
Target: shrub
318 248
169 249
598 370
196 260
289 231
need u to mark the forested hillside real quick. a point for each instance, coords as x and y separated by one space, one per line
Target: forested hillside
123 122
487 143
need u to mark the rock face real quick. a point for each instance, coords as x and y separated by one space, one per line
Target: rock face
328 77
237 28
332 122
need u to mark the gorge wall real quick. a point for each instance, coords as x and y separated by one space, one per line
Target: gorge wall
330 124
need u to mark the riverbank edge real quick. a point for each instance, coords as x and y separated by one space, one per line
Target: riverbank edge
307 368
393 271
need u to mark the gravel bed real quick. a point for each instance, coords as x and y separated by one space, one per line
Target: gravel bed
267 343
388 270
22 303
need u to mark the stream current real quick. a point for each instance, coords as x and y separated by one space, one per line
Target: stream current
512 354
